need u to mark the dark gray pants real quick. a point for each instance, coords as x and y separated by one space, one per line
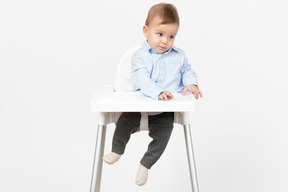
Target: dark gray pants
160 129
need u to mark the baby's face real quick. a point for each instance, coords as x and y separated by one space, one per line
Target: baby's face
160 36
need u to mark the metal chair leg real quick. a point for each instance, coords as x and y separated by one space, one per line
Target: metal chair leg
97 164
191 160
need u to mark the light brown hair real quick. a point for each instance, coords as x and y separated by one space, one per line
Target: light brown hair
166 11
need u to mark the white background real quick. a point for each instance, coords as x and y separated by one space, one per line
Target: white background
53 55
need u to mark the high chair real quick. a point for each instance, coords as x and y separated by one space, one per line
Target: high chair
110 100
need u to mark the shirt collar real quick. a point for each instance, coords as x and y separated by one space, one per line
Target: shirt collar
148 48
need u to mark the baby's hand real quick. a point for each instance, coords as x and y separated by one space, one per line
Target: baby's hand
165 96
193 89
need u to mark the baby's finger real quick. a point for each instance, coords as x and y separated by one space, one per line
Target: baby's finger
200 93
185 91
195 93
170 96
165 96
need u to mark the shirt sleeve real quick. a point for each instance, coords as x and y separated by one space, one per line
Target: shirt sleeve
141 79
188 75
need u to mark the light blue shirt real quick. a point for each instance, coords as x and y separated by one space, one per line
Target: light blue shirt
153 73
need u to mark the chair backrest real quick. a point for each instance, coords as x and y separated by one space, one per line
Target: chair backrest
122 82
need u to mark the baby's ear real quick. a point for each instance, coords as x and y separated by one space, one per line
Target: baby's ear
145 30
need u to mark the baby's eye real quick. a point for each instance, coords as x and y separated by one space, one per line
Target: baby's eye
171 37
159 34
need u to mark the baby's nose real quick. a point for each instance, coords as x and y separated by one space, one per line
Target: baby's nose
164 40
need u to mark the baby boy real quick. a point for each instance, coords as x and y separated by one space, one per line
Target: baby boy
158 70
